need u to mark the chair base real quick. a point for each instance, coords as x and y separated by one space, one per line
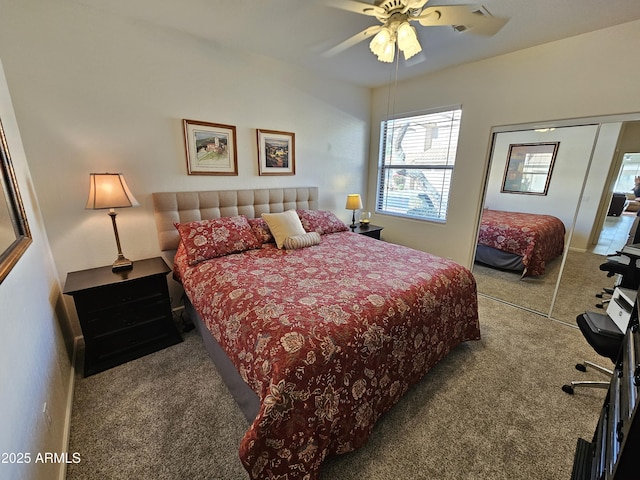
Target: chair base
583 367
570 388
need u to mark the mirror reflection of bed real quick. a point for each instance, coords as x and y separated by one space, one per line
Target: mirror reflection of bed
579 193
519 254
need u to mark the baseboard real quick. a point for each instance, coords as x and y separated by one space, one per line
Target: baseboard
68 409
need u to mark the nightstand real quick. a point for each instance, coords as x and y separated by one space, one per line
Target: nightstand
372 231
124 315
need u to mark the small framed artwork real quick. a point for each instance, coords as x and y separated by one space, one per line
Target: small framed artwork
211 148
529 167
276 153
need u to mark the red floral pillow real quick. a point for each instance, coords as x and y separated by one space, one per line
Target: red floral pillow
180 262
217 237
261 230
321 221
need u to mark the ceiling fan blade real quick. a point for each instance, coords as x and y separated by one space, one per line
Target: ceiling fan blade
411 4
357 7
471 18
354 40
488 26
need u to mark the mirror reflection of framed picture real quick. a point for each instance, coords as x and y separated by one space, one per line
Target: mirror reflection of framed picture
529 167
276 153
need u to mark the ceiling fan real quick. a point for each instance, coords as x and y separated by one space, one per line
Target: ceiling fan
395 17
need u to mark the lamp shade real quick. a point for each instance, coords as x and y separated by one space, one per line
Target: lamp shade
380 41
408 40
389 53
353 201
109 190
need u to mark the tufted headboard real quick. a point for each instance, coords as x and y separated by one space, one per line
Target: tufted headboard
179 207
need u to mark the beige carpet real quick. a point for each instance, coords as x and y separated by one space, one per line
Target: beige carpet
581 281
534 293
492 409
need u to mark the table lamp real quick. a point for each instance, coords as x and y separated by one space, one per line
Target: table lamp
110 190
353 203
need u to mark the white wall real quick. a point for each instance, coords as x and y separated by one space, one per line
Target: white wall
596 196
584 76
34 364
95 93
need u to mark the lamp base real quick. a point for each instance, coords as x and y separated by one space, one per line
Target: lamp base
121 264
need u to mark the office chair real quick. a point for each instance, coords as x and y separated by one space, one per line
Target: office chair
605 338
624 265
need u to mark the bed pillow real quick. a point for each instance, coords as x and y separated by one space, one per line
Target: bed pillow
217 237
261 230
283 225
179 262
321 221
302 241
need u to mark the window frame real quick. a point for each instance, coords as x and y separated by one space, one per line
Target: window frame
382 184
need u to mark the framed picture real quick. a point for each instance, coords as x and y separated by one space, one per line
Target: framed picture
529 167
211 148
276 153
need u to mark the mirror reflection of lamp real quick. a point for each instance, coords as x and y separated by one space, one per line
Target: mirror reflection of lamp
110 190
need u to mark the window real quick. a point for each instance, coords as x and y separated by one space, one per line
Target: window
628 172
417 156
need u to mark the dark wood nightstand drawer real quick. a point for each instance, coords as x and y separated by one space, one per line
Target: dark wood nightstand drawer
121 296
129 340
117 319
123 315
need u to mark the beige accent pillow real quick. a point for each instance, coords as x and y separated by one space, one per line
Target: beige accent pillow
283 225
301 241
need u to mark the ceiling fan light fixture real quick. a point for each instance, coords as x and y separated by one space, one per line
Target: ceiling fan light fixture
389 52
408 40
396 17
410 52
380 41
406 34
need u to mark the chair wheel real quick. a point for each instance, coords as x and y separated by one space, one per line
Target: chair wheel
567 389
581 367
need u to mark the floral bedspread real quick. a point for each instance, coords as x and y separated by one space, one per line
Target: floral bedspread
329 337
537 238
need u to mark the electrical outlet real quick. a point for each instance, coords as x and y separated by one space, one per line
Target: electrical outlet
46 415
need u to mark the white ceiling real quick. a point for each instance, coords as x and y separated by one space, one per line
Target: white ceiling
299 31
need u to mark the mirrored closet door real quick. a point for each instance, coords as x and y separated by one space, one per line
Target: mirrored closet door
578 189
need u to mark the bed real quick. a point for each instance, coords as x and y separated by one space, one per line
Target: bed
524 242
315 343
